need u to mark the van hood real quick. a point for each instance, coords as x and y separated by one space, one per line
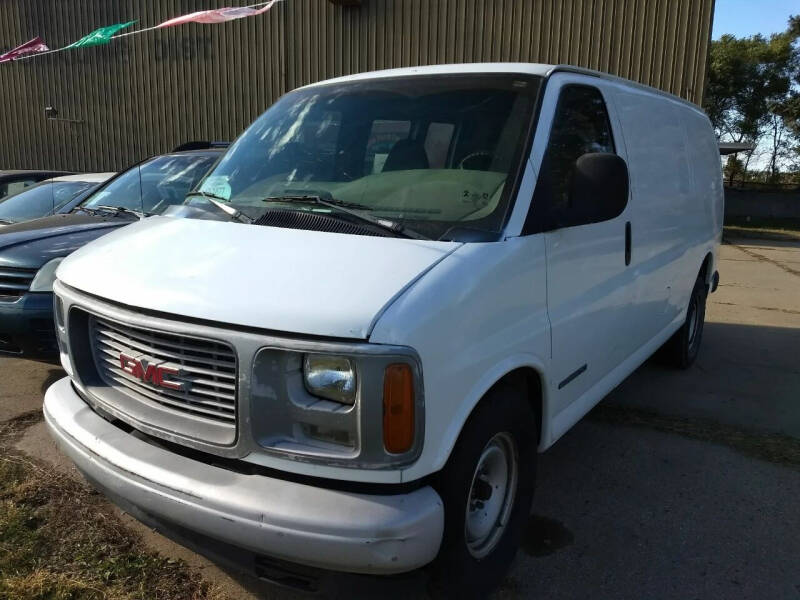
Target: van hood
32 243
284 280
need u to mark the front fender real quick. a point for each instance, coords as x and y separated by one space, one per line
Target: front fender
474 317
485 383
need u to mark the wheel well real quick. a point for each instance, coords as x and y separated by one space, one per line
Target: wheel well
705 268
530 382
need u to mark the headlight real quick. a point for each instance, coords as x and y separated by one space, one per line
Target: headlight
350 405
43 281
331 377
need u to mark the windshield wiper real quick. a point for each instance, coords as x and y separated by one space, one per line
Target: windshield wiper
220 203
121 210
321 195
91 211
346 207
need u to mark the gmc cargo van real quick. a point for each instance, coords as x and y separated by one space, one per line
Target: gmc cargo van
346 349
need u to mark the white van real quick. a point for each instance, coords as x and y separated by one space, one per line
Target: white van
397 288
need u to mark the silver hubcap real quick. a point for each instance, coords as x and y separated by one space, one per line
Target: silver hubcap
491 495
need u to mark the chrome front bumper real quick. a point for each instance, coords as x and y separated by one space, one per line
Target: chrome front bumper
322 528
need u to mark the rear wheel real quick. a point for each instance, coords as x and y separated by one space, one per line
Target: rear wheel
487 489
683 347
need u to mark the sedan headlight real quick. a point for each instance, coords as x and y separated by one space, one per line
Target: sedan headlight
331 377
43 281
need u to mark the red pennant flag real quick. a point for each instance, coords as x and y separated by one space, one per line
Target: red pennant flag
35 46
219 15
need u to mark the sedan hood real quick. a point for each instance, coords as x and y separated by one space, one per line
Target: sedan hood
284 280
33 243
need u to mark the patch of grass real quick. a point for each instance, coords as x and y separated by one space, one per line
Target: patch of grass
60 540
772 447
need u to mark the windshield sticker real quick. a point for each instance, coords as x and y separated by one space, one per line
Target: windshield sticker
217 185
475 198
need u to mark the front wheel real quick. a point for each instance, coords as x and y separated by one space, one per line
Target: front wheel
683 347
487 489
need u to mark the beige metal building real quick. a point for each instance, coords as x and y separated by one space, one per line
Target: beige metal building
147 93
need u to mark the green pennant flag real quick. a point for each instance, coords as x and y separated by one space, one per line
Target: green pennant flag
100 36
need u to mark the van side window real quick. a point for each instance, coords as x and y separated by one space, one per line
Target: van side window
580 125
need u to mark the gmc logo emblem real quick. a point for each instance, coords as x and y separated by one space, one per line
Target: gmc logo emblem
150 371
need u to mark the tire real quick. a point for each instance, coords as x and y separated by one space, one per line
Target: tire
501 435
683 347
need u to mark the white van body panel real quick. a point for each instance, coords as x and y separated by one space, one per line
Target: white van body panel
473 312
598 308
589 285
287 280
564 304
481 314
677 196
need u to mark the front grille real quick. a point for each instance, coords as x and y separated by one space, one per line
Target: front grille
15 282
205 369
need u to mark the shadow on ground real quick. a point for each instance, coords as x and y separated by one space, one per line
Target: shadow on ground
53 375
747 376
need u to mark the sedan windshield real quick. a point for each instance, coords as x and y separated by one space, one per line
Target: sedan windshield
153 185
436 155
40 200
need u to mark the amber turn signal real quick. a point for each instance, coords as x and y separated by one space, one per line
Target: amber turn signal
398 408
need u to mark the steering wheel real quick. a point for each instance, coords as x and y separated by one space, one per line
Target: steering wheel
485 154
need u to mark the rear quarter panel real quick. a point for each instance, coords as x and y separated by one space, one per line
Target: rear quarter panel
709 189
676 194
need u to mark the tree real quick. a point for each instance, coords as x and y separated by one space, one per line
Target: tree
752 97
733 167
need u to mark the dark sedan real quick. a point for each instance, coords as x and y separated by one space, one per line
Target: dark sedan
31 252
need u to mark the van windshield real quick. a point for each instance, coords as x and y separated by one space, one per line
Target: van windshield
437 154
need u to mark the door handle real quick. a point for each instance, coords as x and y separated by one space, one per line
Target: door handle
627 243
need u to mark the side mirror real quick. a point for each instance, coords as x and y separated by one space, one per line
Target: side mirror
599 188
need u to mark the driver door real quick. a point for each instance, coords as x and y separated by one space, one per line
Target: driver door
589 283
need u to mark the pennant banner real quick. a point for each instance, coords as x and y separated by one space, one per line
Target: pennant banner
219 15
104 35
100 36
34 46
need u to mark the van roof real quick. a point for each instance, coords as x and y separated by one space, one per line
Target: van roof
542 70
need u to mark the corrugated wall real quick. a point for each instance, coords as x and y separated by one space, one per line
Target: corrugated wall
146 94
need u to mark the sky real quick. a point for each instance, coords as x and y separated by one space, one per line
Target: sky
748 17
